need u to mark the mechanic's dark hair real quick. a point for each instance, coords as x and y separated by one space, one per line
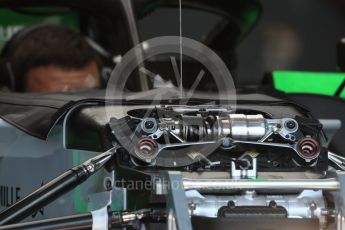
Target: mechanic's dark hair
43 45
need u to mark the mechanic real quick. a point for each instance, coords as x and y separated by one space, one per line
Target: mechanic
49 58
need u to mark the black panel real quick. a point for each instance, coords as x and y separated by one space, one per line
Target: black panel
204 223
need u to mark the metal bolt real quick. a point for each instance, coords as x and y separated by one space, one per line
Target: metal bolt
231 204
108 184
290 124
149 124
313 205
272 204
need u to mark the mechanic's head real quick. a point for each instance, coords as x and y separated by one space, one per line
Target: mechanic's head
49 59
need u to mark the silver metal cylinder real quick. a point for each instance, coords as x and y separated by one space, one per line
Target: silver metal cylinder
237 126
247 127
223 185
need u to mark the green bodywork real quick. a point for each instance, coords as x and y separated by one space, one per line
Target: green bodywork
309 82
